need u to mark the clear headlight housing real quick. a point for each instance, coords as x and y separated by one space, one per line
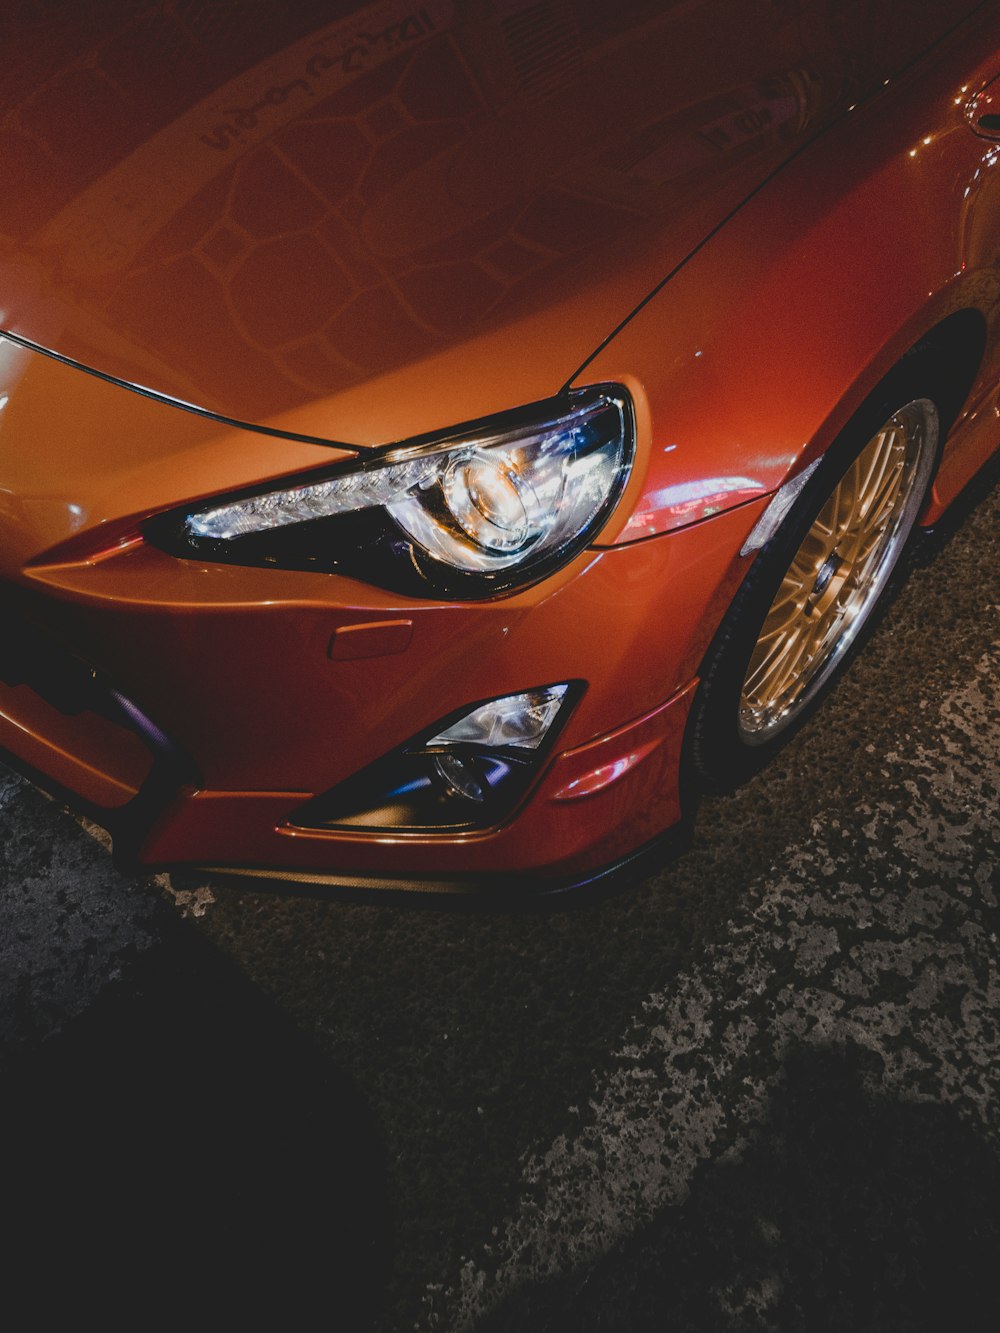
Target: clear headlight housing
478 510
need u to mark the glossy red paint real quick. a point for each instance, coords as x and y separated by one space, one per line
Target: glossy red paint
548 837
278 243
300 223
821 312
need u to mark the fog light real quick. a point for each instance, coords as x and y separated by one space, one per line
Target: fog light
459 776
467 772
517 720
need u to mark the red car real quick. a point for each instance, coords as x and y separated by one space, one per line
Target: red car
437 440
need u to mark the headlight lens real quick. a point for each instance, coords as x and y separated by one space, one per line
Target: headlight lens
477 511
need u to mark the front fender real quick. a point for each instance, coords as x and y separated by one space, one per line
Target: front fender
754 356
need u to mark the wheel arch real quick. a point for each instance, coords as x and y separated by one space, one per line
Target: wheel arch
716 748
953 350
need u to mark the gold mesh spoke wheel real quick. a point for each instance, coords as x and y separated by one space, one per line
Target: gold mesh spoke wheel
839 571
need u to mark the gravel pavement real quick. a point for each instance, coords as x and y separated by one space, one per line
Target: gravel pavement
758 1090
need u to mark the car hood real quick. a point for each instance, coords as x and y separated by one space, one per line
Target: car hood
410 215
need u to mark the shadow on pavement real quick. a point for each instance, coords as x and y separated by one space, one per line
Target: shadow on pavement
182 1151
847 1212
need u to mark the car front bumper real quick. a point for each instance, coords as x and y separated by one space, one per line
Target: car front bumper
193 708
216 701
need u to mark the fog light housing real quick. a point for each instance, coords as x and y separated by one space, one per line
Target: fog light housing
469 771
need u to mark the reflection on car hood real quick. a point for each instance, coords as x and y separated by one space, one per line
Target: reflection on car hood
280 217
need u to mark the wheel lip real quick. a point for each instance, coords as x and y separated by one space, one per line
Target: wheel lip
929 426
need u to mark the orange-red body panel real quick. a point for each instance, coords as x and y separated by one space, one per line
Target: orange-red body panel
299 218
550 836
103 764
359 230
258 640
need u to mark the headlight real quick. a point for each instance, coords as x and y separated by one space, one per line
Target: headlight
479 510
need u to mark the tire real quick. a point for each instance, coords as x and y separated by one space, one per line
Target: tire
815 587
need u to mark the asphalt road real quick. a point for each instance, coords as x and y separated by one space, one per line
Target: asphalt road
759 1090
